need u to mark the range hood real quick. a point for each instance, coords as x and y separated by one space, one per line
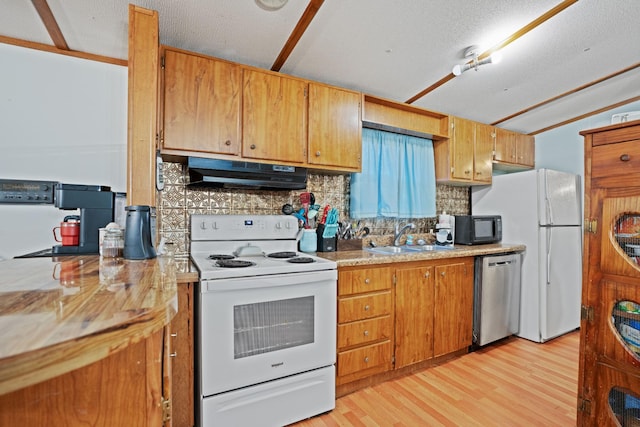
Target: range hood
234 174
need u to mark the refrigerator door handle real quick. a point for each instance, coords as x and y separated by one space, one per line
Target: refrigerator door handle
548 256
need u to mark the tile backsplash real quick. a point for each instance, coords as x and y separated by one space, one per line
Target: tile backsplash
177 202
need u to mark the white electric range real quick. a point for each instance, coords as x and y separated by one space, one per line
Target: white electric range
266 322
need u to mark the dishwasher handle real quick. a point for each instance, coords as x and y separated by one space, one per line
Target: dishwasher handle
493 264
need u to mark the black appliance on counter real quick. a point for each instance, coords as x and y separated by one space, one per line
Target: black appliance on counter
97 205
96 211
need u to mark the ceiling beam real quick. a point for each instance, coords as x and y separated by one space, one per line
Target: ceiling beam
589 114
49 21
571 92
74 53
513 37
296 34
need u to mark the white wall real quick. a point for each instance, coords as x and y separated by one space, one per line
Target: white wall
62 119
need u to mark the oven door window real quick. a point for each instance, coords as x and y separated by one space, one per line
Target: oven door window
269 326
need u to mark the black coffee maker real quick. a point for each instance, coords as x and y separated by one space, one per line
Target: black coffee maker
96 211
138 233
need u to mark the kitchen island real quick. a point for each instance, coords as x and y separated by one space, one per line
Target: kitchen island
84 340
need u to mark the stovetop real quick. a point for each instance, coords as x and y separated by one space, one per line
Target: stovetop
246 241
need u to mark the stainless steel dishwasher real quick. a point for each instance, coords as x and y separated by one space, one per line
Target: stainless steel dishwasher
496 305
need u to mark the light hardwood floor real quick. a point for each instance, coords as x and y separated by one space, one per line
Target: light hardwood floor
513 383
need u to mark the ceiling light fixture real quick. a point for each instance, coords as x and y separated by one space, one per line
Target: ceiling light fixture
472 52
271 5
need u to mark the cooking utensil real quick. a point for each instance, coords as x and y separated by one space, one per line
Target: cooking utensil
325 212
287 209
362 233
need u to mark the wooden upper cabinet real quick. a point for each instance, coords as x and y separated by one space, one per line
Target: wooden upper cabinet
483 153
465 158
462 143
335 128
513 150
274 117
201 105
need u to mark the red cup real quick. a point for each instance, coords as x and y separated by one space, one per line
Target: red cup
70 233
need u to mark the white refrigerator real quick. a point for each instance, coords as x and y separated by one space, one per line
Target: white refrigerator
541 209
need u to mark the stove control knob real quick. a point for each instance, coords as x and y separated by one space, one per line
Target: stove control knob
278 226
203 225
214 225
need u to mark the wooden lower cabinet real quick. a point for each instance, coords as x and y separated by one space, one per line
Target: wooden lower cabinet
365 331
453 306
400 316
182 359
123 389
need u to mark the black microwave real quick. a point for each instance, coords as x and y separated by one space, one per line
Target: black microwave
477 229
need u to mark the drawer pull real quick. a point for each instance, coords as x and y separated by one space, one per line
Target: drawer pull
227 142
625 158
317 154
366 359
366 307
252 146
366 333
367 280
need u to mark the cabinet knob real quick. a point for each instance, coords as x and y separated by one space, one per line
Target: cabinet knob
227 142
366 333
366 359
467 172
442 273
366 307
174 354
367 281
317 154
252 146
174 334
625 157
426 275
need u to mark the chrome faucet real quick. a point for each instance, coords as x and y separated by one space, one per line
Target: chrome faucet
399 233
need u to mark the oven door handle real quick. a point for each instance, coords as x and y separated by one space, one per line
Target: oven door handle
271 281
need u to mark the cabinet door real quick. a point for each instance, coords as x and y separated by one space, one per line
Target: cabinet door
335 128
182 357
453 307
274 117
505 146
483 153
201 104
525 149
463 139
414 315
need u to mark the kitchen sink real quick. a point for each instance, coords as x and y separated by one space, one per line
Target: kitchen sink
394 250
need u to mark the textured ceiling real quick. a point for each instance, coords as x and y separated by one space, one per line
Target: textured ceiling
393 48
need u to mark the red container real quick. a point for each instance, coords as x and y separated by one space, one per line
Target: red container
69 232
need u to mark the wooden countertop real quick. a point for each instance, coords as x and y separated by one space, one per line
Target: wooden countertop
59 314
365 257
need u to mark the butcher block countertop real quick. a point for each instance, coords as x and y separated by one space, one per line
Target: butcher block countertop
62 313
366 257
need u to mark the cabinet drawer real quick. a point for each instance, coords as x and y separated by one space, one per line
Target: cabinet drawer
364 331
615 159
364 307
363 280
364 358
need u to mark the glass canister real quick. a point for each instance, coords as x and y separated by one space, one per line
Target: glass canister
309 240
113 243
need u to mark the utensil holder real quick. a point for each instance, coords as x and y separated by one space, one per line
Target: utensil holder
326 244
